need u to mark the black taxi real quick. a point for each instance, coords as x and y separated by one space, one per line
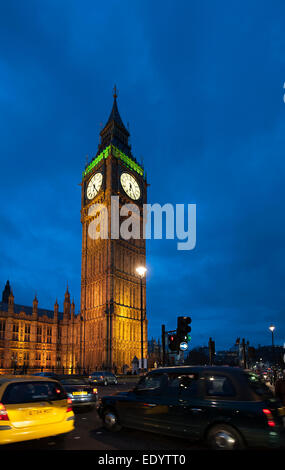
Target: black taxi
227 407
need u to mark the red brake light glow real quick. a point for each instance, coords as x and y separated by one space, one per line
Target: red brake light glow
3 413
69 408
269 417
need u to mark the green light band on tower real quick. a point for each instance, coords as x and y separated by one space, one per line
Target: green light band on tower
117 154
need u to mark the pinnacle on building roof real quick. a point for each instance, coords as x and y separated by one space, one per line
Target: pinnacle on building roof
115 132
6 293
115 115
67 294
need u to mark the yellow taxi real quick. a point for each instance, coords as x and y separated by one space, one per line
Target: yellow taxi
33 407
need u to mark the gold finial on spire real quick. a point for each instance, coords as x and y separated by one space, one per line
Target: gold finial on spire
115 92
67 291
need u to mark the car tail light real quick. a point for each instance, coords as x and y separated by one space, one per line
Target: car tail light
69 403
95 390
269 417
3 413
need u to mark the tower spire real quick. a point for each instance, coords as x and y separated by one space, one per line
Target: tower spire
66 303
115 92
115 118
114 132
6 292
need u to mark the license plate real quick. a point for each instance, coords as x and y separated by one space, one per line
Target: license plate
79 393
38 412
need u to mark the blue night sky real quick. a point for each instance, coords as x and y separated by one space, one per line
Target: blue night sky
201 85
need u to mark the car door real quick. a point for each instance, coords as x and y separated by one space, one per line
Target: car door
220 397
187 412
143 407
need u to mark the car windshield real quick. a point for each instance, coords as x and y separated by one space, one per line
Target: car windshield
29 392
73 381
98 373
258 386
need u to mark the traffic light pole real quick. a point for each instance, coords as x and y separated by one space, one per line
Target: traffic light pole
180 358
164 335
163 344
211 351
243 353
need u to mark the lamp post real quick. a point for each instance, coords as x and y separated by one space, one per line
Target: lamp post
272 328
141 270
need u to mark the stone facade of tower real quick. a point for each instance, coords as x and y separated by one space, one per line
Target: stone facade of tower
111 291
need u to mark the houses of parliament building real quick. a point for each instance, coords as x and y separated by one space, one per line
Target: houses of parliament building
110 331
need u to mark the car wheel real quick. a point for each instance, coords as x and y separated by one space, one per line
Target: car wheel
224 437
110 420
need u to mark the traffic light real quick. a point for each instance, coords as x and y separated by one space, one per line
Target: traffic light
172 342
183 329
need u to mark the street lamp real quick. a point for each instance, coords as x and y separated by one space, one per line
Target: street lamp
272 328
141 270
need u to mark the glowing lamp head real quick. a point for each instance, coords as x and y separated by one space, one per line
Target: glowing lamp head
141 270
272 328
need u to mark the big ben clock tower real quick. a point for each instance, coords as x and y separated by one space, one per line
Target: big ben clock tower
111 292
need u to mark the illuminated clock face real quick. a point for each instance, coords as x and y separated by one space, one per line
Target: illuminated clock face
130 186
94 185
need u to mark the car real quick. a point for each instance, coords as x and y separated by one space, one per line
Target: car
33 408
103 378
79 390
51 375
227 407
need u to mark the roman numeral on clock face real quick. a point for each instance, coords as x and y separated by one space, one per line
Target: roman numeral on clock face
130 186
94 185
